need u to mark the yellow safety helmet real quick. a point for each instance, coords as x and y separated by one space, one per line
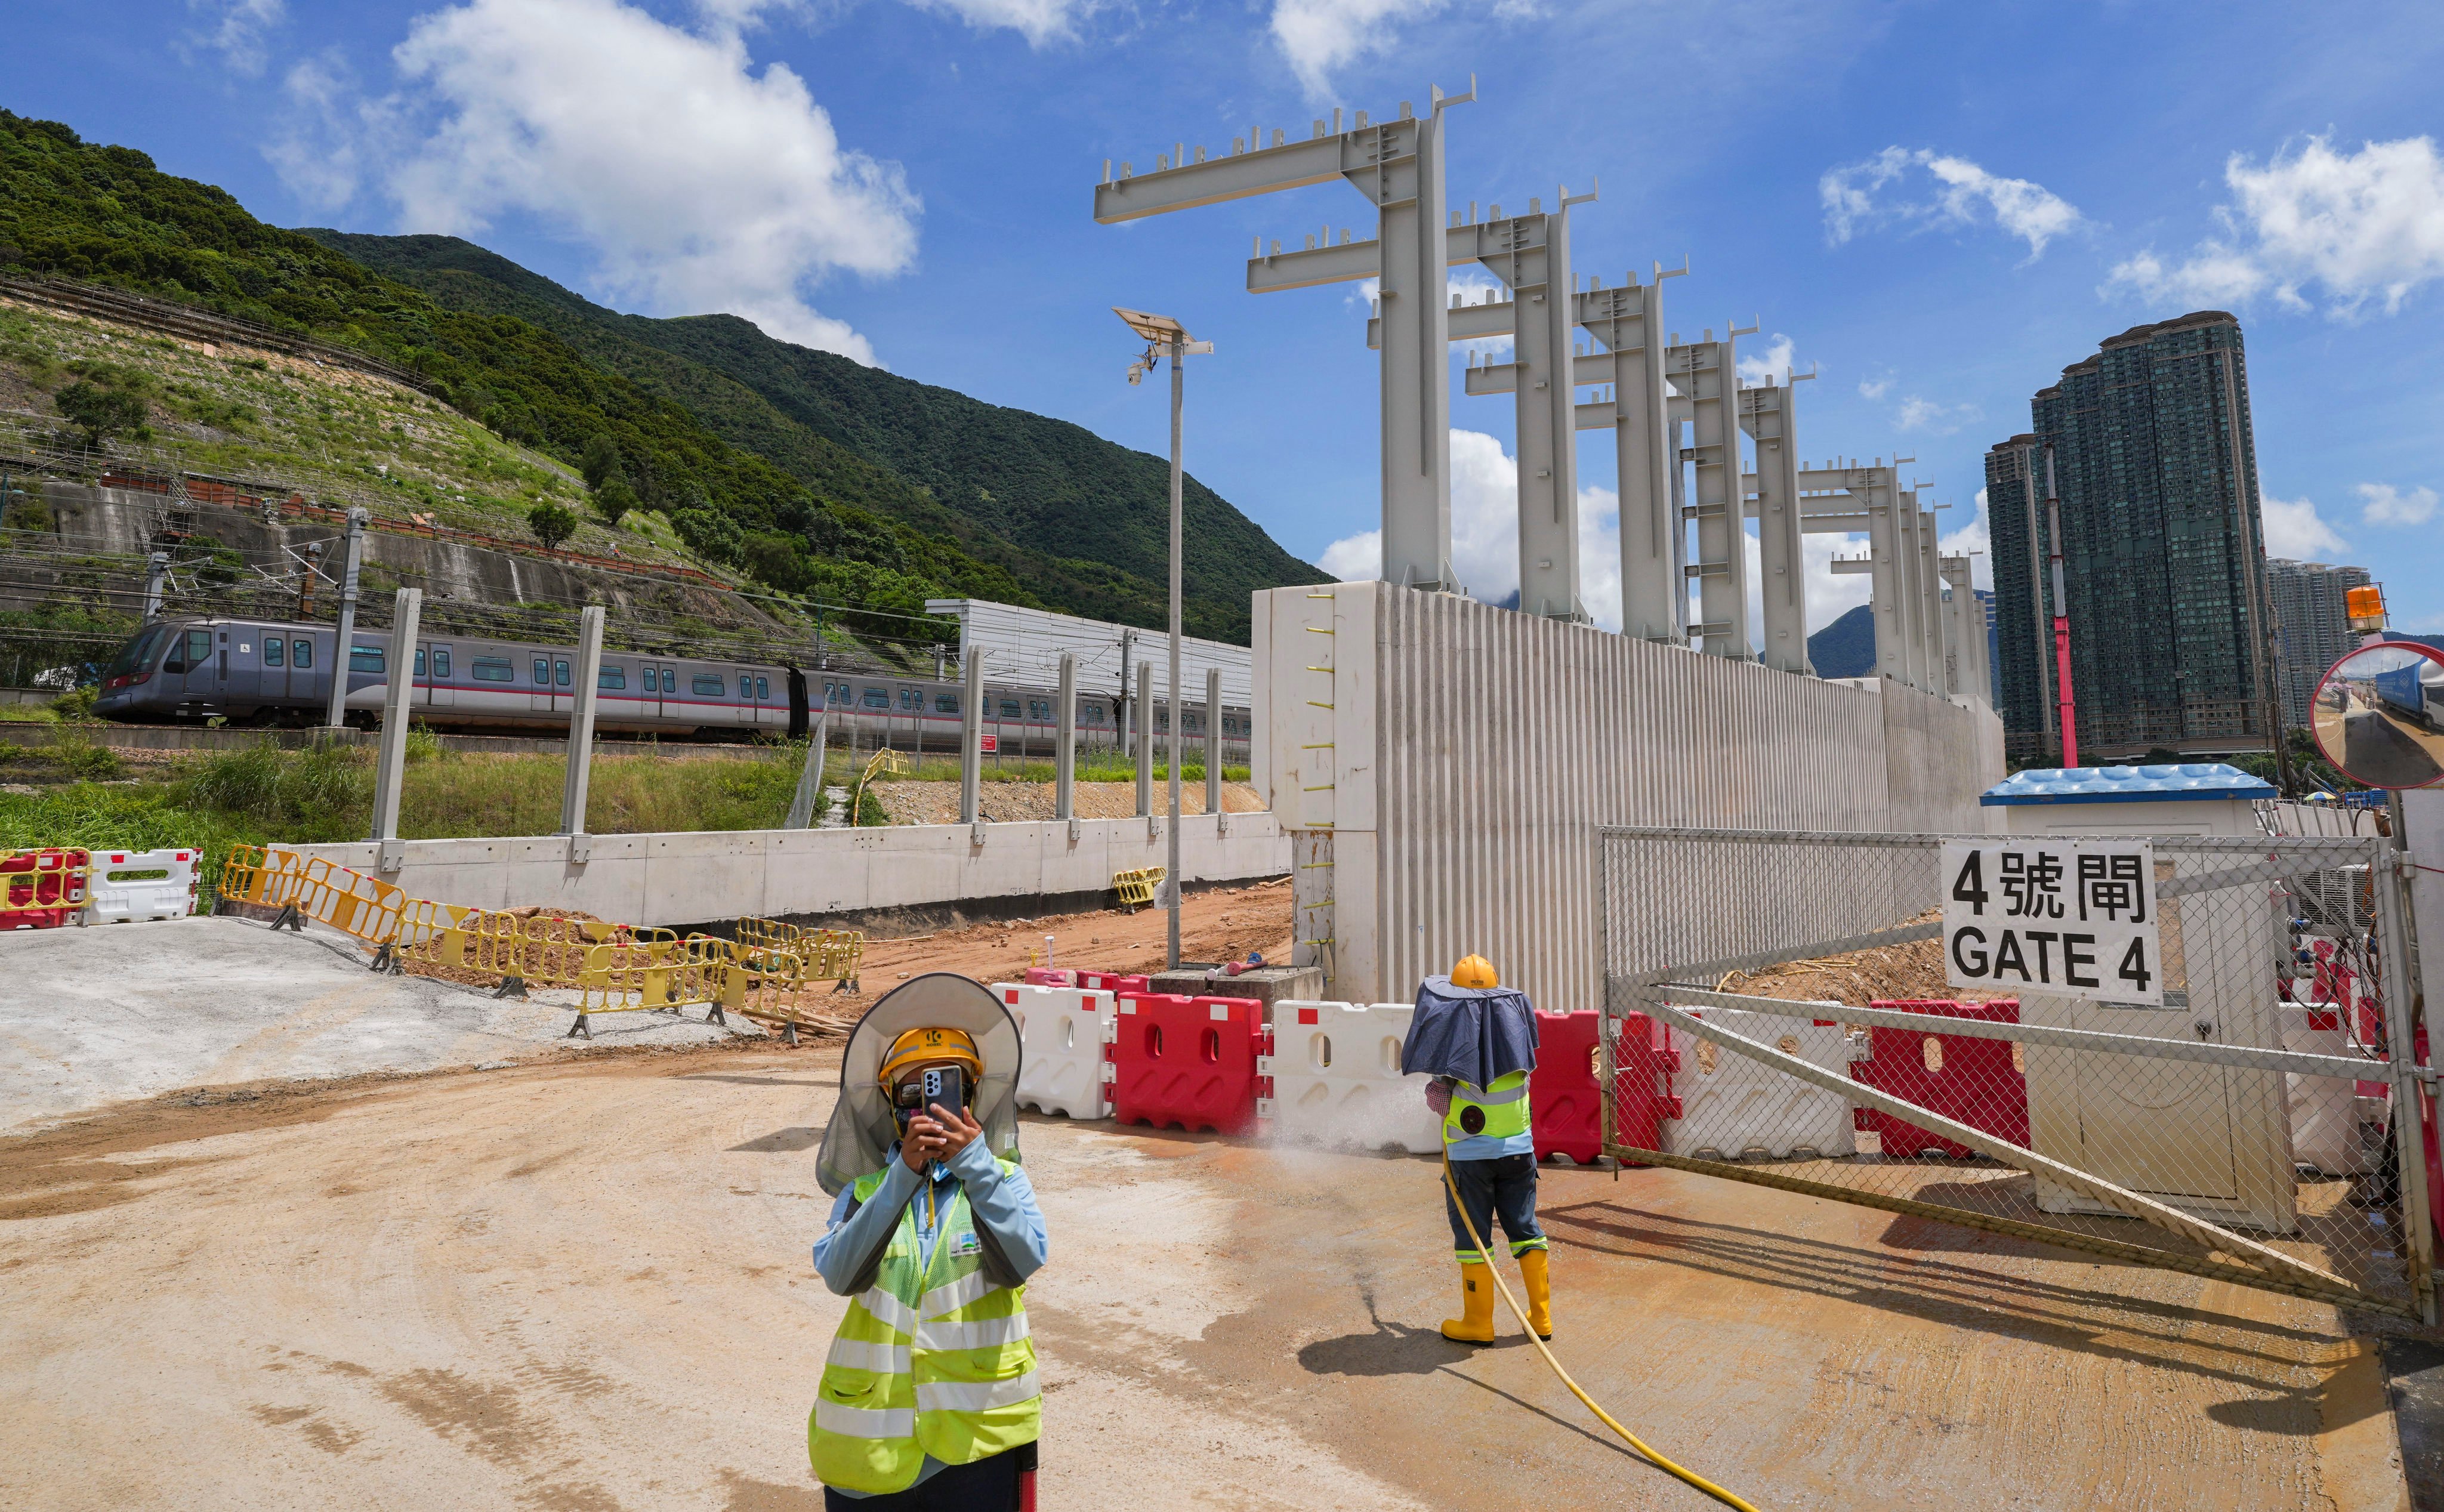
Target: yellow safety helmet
924 1047
1474 971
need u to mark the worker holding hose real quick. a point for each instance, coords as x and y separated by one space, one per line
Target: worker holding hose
1479 1038
929 1401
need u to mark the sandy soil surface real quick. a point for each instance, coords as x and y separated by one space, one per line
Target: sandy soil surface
586 1286
938 803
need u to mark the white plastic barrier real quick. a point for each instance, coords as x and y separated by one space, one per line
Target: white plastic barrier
1336 1082
1061 1032
1731 1105
2324 1109
132 886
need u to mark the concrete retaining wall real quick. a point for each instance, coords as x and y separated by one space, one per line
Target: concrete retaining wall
698 877
1443 765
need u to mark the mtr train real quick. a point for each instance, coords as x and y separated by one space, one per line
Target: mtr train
273 673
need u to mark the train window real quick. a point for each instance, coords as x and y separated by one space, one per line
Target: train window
946 703
419 662
763 690
274 651
877 698
560 671
305 654
542 671
670 679
1090 714
366 660
199 647
1010 709
707 685
1038 710
442 661
615 678
494 669
746 688
913 699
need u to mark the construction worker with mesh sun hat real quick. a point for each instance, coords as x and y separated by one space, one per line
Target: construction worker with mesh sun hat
1477 1040
929 1400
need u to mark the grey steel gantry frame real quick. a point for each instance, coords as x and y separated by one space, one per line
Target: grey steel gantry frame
1530 254
1398 165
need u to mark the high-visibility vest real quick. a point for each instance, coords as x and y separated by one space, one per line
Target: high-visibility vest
1501 1110
931 1359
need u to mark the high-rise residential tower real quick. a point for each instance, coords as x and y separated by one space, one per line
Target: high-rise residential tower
2163 564
2312 627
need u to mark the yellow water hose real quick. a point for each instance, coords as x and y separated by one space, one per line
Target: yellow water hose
1691 1477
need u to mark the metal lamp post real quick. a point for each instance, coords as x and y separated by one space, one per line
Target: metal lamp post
1164 337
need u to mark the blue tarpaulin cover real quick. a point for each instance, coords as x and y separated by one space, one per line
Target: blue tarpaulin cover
1478 1035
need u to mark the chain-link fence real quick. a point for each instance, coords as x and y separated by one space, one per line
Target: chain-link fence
1778 1012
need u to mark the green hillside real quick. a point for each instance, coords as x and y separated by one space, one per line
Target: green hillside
1080 519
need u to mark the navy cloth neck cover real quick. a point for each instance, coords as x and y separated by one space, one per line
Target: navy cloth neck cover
1476 1035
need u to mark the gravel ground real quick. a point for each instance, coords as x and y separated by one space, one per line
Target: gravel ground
938 803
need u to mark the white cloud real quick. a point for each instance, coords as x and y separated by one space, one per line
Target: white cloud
698 183
236 30
1918 413
1875 389
1774 363
2360 225
2383 503
1961 194
1318 36
1039 21
2294 531
1975 542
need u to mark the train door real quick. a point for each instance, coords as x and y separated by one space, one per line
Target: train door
241 669
308 684
766 712
435 665
649 690
200 684
268 649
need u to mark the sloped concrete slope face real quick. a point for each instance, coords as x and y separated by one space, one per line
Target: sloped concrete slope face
692 877
1442 767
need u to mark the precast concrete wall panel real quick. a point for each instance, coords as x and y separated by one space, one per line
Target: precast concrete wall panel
698 877
1477 751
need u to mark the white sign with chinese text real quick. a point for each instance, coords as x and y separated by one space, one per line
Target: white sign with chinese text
2070 919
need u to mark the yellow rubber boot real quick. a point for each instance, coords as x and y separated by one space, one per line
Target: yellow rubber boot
1476 1300
1533 1270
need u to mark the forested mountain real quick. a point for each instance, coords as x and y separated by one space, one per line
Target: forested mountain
793 466
1081 518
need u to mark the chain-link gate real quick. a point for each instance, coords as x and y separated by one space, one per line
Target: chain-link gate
1776 1013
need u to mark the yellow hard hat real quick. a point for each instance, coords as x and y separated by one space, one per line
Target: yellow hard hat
925 1046
1474 971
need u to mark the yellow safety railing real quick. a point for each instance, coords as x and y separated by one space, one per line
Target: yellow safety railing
1135 887
826 956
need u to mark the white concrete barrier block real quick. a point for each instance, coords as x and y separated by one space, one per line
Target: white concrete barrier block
1336 1082
2324 1109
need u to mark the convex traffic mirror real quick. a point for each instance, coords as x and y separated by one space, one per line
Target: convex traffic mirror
2379 714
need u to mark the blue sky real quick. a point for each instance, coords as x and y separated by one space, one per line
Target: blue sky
1937 206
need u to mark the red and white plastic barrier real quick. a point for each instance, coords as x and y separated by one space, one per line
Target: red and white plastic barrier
1970 1080
123 887
1112 982
1335 1069
42 888
1730 1105
1063 1032
1564 1091
1187 1062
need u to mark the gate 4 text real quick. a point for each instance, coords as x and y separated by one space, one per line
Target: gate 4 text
2069 918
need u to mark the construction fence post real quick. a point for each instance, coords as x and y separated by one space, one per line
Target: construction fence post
972 728
341 644
1213 748
399 701
1145 743
581 724
1065 743
810 778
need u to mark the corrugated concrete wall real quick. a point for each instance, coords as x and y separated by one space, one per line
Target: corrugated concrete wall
1443 766
696 877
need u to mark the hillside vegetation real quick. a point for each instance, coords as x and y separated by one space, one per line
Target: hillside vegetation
791 465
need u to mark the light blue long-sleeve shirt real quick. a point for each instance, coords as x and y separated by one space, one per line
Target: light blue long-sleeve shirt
1004 1205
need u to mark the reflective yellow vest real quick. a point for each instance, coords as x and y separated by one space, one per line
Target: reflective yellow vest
931 1359
1501 1110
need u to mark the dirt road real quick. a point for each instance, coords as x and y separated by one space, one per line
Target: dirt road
585 1285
